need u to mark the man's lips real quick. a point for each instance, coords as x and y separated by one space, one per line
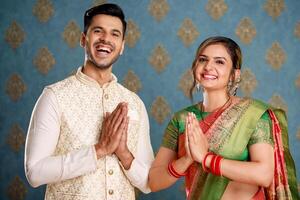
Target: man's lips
104 49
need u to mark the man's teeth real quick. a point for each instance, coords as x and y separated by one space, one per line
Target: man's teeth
104 49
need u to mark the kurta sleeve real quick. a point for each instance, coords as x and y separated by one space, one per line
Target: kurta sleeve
143 158
41 167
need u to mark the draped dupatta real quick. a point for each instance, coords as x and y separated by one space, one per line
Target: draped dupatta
228 135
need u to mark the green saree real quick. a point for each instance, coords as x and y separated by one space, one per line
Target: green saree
243 123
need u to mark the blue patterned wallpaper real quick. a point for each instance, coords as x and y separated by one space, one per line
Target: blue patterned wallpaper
39 46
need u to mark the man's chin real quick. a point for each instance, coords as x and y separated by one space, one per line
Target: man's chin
101 65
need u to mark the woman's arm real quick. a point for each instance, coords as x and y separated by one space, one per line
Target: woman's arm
159 177
258 171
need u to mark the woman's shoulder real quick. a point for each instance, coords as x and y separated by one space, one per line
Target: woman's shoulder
259 104
184 111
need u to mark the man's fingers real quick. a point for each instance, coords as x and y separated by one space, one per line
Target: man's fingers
114 117
121 119
126 128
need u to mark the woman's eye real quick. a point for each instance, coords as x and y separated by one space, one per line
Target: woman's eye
201 60
220 62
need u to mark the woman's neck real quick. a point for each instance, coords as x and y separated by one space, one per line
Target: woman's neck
214 100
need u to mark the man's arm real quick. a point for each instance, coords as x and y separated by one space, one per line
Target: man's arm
141 163
41 167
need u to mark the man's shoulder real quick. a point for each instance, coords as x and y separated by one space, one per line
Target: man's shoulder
128 93
62 83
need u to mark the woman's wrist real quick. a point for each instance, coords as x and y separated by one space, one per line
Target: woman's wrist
186 161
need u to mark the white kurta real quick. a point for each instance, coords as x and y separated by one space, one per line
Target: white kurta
65 125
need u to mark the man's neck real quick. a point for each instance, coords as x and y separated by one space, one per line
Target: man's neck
102 76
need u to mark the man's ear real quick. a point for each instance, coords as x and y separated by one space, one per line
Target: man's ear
82 40
122 48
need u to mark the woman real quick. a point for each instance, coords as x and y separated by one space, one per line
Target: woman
226 147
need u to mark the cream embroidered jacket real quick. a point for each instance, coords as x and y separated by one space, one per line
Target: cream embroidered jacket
65 125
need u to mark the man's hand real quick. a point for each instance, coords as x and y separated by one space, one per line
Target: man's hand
122 151
112 130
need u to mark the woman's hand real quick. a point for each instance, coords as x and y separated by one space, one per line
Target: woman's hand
197 141
188 157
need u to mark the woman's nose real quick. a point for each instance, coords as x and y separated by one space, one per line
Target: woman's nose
208 65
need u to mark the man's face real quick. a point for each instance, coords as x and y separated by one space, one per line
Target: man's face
103 41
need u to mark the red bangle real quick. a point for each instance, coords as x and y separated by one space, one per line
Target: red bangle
206 169
212 164
218 166
215 165
173 172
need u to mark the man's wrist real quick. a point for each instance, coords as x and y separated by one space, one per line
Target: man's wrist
100 152
126 159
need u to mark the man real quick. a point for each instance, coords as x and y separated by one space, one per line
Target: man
88 136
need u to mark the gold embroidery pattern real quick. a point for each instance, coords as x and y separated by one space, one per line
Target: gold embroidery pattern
297 82
44 60
159 58
248 83
132 82
71 34
16 138
188 32
15 87
274 8
43 10
14 35
278 102
160 109
275 56
297 30
16 189
158 9
216 8
246 30
133 34
186 82
262 133
227 122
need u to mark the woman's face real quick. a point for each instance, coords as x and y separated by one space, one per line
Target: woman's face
213 68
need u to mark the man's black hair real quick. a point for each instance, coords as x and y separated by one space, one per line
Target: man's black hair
106 9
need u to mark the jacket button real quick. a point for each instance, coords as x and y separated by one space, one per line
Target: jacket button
111 192
110 172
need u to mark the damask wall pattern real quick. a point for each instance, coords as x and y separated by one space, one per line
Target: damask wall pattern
40 45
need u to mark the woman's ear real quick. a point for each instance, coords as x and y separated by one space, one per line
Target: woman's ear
237 74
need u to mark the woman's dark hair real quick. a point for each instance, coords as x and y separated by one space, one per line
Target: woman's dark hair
232 48
105 9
